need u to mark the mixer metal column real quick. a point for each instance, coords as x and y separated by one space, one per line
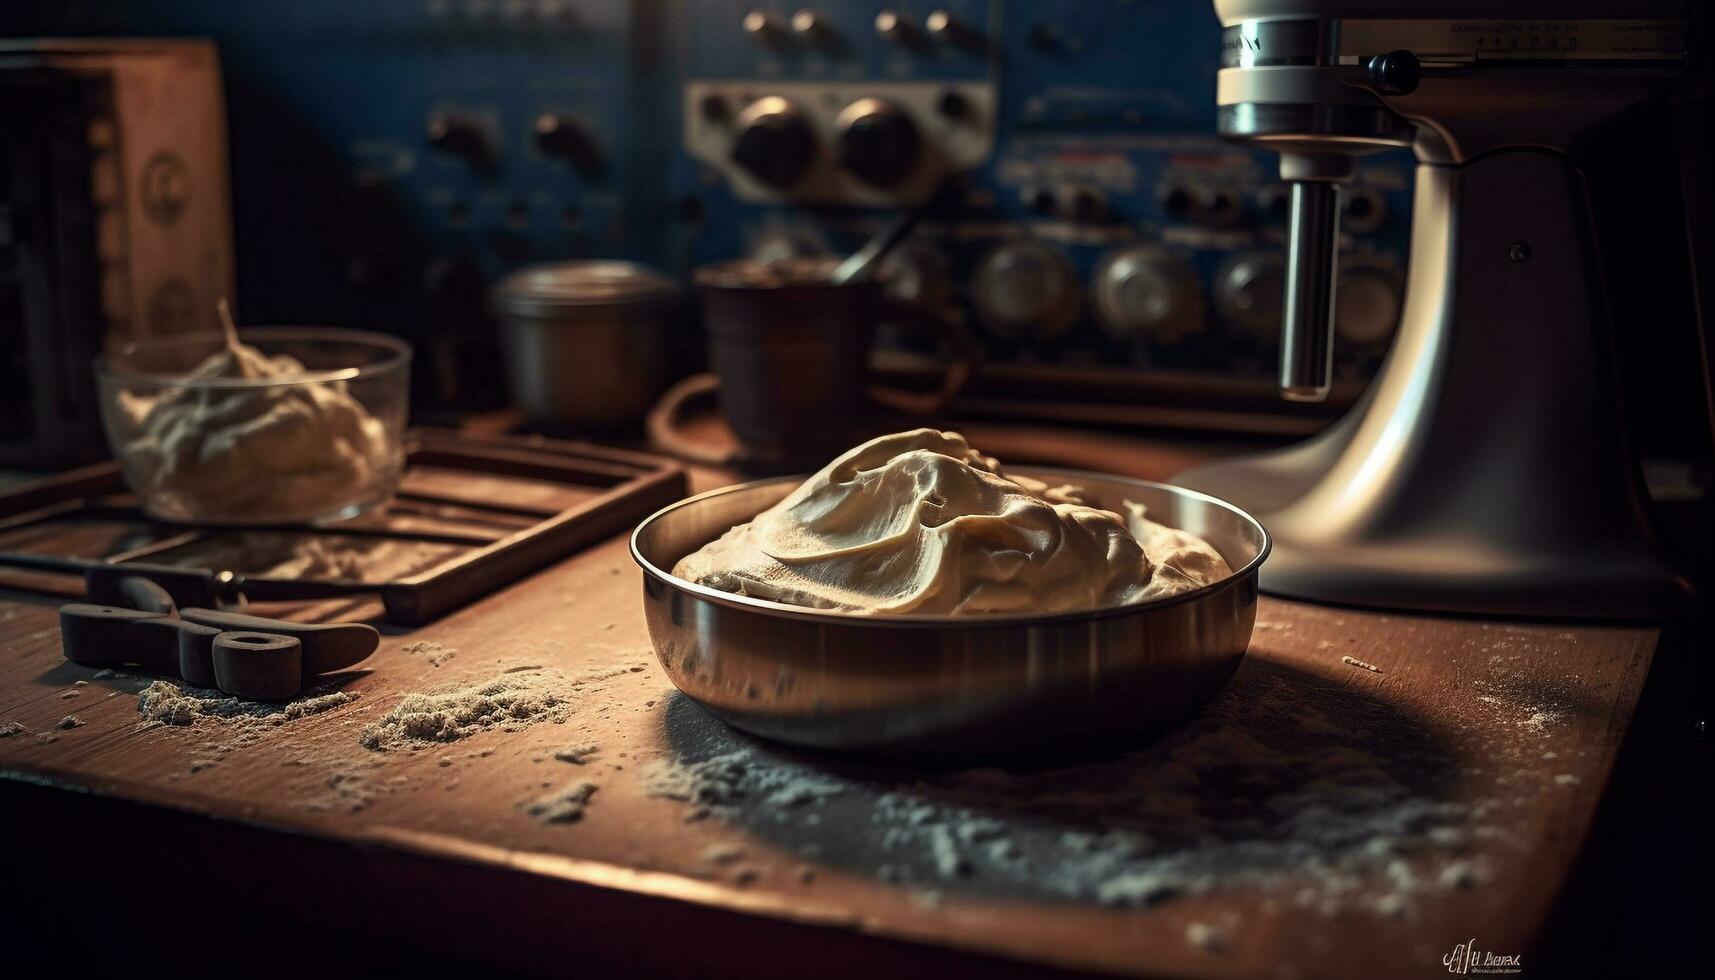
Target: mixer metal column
1312 262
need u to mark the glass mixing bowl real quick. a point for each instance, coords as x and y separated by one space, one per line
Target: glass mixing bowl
313 446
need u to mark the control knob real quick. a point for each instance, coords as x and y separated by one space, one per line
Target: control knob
949 28
1366 305
1218 207
878 143
898 28
1025 290
813 27
1147 291
916 274
1363 210
461 136
774 142
763 26
1274 202
1084 204
1250 294
566 138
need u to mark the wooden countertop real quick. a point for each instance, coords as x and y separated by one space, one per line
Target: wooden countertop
1482 749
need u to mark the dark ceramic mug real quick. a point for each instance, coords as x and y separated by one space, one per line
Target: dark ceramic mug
791 351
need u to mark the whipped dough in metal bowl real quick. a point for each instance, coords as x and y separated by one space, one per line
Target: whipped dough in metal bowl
237 453
920 523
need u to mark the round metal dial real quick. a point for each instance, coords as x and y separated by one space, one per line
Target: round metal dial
774 142
1025 291
1146 291
878 143
1363 210
1250 294
916 273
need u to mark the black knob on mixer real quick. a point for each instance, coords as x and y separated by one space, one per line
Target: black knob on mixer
461 136
567 139
774 142
878 143
1395 73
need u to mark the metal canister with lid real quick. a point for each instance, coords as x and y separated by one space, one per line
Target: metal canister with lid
586 341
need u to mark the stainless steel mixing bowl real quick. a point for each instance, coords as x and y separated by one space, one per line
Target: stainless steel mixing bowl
941 689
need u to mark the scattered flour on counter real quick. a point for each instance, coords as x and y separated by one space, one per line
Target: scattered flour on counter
227 723
346 790
69 722
712 782
1136 890
12 728
513 701
728 779
566 805
510 703
722 853
747 875
1300 788
434 653
167 703
1540 720
577 755
1207 937
1462 874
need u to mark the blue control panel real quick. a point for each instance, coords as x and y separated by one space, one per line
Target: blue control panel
392 158
1108 245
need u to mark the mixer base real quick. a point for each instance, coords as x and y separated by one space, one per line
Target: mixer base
1444 569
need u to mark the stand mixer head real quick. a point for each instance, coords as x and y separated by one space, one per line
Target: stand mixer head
1282 87
1486 468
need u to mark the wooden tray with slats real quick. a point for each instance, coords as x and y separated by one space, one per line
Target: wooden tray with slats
471 515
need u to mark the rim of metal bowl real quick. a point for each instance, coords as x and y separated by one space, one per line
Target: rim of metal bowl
398 356
811 614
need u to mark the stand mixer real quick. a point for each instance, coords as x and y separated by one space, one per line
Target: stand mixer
1486 469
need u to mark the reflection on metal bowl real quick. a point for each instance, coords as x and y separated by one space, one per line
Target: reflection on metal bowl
950 689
